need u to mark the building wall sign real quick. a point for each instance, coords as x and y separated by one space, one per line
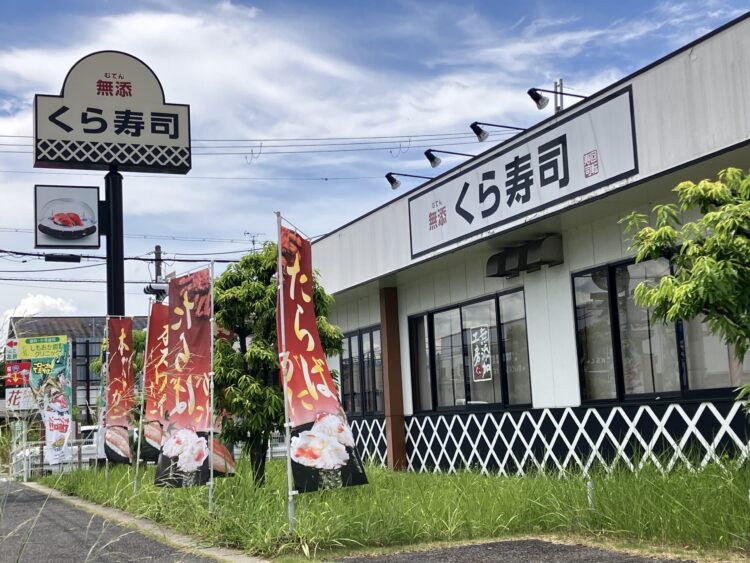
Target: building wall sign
586 151
111 111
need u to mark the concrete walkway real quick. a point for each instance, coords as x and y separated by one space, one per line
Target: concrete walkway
40 524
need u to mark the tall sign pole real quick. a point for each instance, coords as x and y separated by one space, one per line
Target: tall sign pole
115 245
110 115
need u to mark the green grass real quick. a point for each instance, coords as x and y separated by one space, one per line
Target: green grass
704 510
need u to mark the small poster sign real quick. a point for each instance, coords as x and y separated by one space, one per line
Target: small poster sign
481 357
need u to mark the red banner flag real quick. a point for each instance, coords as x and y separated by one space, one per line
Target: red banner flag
189 361
120 390
17 374
155 362
322 447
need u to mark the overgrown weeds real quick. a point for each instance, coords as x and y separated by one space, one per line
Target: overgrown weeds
703 509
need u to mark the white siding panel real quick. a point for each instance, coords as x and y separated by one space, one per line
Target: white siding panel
540 346
562 337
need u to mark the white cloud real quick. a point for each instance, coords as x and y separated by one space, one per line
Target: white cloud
33 305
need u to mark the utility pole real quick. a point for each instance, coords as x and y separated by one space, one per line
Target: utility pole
157 262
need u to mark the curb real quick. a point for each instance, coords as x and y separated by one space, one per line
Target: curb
149 528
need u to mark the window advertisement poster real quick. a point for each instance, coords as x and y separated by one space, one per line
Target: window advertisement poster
481 357
186 400
50 381
323 454
120 390
66 217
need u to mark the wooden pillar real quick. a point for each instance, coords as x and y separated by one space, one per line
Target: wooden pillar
395 427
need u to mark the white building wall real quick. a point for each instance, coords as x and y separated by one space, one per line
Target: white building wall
685 108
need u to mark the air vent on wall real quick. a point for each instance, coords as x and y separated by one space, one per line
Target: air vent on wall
529 257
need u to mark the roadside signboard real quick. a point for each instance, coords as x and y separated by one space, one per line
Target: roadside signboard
111 111
66 216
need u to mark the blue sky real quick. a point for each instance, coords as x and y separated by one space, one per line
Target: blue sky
301 70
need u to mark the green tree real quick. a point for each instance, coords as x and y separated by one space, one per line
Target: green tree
711 256
248 386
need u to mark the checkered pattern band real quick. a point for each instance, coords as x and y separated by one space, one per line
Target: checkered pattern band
101 155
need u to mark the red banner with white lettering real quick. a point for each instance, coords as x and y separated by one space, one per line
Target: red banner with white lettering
120 390
155 362
187 403
322 448
185 448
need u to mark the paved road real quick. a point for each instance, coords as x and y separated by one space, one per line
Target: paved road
513 551
62 533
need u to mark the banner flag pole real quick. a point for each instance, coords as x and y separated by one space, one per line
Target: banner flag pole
287 422
104 396
143 397
212 415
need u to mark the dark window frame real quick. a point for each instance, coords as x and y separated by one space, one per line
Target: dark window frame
684 392
428 318
364 388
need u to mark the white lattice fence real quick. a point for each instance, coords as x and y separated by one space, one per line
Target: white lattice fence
369 438
576 439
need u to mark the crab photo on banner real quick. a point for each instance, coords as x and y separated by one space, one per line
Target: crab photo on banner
120 390
181 402
50 381
322 447
155 381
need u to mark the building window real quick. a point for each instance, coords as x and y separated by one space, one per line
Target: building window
362 373
622 353
473 354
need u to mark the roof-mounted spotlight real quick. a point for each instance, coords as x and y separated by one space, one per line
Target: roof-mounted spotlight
395 183
482 134
435 161
541 101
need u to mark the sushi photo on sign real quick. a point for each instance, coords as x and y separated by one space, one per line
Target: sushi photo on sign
66 216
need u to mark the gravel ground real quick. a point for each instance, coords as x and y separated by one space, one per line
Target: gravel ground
511 552
63 533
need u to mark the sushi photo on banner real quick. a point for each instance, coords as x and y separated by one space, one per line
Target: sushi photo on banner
323 454
50 381
155 381
120 390
186 449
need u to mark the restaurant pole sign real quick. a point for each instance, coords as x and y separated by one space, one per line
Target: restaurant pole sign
576 155
112 115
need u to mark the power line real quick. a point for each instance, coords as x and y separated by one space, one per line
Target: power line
127 258
69 280
155 237
50 269
228 178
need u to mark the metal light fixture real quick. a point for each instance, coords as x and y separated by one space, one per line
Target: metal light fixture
395 183
541 101
435 161
482 134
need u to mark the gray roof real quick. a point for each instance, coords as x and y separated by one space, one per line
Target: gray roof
74 327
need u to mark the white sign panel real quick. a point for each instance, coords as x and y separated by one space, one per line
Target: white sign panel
19 399
66 216
111 111
11 350
588 150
